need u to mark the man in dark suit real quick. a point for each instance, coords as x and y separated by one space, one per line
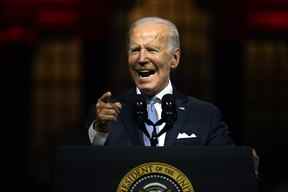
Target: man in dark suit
154 51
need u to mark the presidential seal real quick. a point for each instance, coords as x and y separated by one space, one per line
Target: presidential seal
155 177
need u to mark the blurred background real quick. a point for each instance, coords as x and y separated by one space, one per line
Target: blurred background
234 54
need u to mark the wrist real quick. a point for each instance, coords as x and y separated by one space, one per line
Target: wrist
100 126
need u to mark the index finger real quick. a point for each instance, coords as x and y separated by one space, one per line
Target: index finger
105 97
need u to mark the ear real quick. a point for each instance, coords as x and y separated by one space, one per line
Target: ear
176 58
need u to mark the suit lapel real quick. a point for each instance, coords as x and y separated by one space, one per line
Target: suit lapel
181 109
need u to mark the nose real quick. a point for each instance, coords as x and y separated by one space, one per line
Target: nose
142 59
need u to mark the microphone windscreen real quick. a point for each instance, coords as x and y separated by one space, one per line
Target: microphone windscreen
141 108
169 113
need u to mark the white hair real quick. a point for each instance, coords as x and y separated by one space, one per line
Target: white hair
173 36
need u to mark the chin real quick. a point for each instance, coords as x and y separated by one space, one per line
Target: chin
147 90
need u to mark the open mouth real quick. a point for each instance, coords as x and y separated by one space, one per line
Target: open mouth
146 72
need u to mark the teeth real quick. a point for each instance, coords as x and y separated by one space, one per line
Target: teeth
145 73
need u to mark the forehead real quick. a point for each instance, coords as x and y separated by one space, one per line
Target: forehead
149 33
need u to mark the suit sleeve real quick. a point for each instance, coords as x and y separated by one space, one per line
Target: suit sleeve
219 133
95 137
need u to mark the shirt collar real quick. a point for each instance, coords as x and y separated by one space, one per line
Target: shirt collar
167 90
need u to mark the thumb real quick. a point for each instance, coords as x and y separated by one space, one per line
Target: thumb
105 97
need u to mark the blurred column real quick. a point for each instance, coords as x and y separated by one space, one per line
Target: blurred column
228 32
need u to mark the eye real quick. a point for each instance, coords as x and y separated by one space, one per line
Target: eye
152 50
134 49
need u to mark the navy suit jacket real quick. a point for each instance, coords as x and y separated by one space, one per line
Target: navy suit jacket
194 116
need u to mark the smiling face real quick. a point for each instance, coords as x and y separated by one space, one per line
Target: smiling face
149 58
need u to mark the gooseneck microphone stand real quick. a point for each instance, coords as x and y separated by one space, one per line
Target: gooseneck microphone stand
168 116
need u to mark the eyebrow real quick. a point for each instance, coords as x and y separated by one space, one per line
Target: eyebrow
147 46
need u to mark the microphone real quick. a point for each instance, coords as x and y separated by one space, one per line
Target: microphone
141 109
141 113
169 113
